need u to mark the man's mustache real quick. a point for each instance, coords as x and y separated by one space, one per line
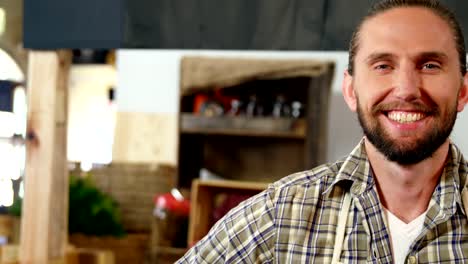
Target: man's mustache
408 106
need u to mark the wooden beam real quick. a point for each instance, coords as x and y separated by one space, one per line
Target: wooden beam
44 226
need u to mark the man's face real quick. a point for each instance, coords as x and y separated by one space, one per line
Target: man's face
407 86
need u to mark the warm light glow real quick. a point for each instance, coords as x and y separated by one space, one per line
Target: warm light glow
19 109
18 160
21 190
91 119
10 169
10 70
2 21
86 166
12 156
6 192
7 121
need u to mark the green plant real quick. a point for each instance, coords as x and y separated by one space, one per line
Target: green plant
91 211
15 208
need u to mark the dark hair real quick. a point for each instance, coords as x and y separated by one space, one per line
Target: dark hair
433 5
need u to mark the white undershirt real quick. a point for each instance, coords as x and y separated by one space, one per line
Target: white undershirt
402 235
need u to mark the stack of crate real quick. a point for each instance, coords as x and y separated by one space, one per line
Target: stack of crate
134 186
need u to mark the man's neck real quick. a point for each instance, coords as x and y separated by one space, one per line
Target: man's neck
406 190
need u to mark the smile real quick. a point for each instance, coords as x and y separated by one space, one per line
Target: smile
405 117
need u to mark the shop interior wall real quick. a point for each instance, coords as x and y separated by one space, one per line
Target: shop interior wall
148 82
91 119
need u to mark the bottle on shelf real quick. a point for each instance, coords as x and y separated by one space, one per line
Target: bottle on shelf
280 107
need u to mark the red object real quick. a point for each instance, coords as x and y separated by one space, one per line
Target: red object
231 201
223 99
199 100
168 202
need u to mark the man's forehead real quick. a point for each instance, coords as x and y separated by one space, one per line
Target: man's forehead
404 13
406 29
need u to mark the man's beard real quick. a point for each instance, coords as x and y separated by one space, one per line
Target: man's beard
405 153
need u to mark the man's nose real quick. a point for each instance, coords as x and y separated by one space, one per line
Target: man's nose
408 83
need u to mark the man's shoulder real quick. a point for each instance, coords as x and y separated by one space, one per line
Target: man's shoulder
459 164
315 180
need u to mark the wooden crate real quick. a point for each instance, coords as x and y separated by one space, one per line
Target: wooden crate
89 256
9 254
130 249
10 228
203 200
165 255
134 186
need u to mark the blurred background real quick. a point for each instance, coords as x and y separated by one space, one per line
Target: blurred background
179 110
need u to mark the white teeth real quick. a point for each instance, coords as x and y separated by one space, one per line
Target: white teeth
405 117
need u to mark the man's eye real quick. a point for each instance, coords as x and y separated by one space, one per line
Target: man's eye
430 66
382 67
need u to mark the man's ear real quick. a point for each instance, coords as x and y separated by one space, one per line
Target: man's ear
463 94
348 91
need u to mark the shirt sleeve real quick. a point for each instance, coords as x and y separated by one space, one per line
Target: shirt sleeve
245 234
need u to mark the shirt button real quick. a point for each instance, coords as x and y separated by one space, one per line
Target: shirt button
412 260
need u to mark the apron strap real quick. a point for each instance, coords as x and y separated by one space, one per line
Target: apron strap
464 196
340 230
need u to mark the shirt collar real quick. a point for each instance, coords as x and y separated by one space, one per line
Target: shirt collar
355 170
452 182
357 173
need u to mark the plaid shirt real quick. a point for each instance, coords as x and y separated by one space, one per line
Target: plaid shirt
295 220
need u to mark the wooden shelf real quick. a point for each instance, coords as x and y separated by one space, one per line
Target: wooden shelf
243 126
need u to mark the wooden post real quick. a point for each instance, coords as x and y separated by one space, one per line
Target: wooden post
44 226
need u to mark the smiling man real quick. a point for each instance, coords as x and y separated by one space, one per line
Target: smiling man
399 196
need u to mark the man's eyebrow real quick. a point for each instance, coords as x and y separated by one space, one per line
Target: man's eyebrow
378 56
432 55
428 55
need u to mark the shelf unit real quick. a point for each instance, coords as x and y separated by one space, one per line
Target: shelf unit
247 151
263 148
